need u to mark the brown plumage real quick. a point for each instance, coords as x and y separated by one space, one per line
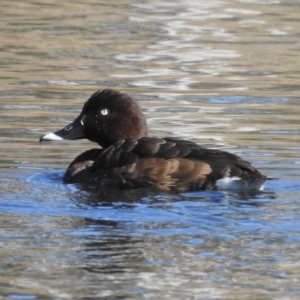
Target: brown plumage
129 159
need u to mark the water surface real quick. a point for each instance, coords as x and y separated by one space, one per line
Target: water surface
222 74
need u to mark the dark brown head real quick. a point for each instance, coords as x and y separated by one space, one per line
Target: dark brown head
108 116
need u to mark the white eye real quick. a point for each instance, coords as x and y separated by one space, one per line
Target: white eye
104 112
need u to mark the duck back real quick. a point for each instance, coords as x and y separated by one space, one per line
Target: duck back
167 164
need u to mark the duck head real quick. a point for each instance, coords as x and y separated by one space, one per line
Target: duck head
108 116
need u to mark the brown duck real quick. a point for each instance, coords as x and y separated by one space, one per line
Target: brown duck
129 159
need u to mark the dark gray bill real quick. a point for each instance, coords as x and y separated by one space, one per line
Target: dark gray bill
73 131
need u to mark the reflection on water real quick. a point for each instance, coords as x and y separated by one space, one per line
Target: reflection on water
223 74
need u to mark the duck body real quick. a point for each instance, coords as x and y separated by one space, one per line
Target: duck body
129 159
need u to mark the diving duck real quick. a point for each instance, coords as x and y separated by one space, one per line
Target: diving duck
129 159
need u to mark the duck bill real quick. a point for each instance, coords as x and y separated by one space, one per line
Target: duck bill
73 131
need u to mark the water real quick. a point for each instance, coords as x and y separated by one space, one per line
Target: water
223 74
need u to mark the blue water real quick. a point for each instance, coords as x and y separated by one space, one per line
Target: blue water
128 240
134 243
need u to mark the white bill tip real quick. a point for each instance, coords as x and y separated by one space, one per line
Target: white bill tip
51 137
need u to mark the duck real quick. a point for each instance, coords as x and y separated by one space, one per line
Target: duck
129 159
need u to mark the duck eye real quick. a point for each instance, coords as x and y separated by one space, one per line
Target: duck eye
104 112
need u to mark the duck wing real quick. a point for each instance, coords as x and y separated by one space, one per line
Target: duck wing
201 168
166 163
